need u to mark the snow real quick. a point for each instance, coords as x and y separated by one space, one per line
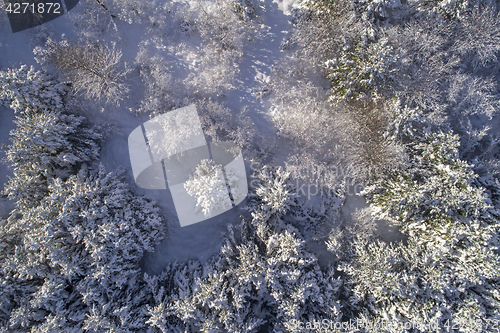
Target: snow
6 125
286 5
255 69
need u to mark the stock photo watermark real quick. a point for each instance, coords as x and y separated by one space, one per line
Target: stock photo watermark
311 181
170 152
26 14
383 324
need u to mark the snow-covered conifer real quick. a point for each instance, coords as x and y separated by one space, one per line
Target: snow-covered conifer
208 185
450 254
375 11
449 9
46 144
274 195
260 277
359 70
25 87
75 264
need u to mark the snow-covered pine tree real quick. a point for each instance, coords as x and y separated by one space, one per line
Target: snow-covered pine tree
449 9
174 282
46 144
360 69
448 273
274 194
207 184
25 87
261 279
48 141
72 263
375 11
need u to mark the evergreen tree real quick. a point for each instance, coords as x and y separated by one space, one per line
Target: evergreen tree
263 277
25 88
274 194
46 144
447 274
449 9
207 184
72 261
259 279
359 70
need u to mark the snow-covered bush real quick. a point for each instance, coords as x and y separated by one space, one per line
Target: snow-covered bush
92 68
72 260
370 152
300 112
347 139
217 23
207 184
130 11
245 8
209 57
324 28
478 39
473 103
223 124
222 35
162 92
93 22
425 61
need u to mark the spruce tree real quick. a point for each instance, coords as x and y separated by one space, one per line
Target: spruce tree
447 274
73 260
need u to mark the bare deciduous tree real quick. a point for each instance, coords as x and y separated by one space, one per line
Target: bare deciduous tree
93 69
479 37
